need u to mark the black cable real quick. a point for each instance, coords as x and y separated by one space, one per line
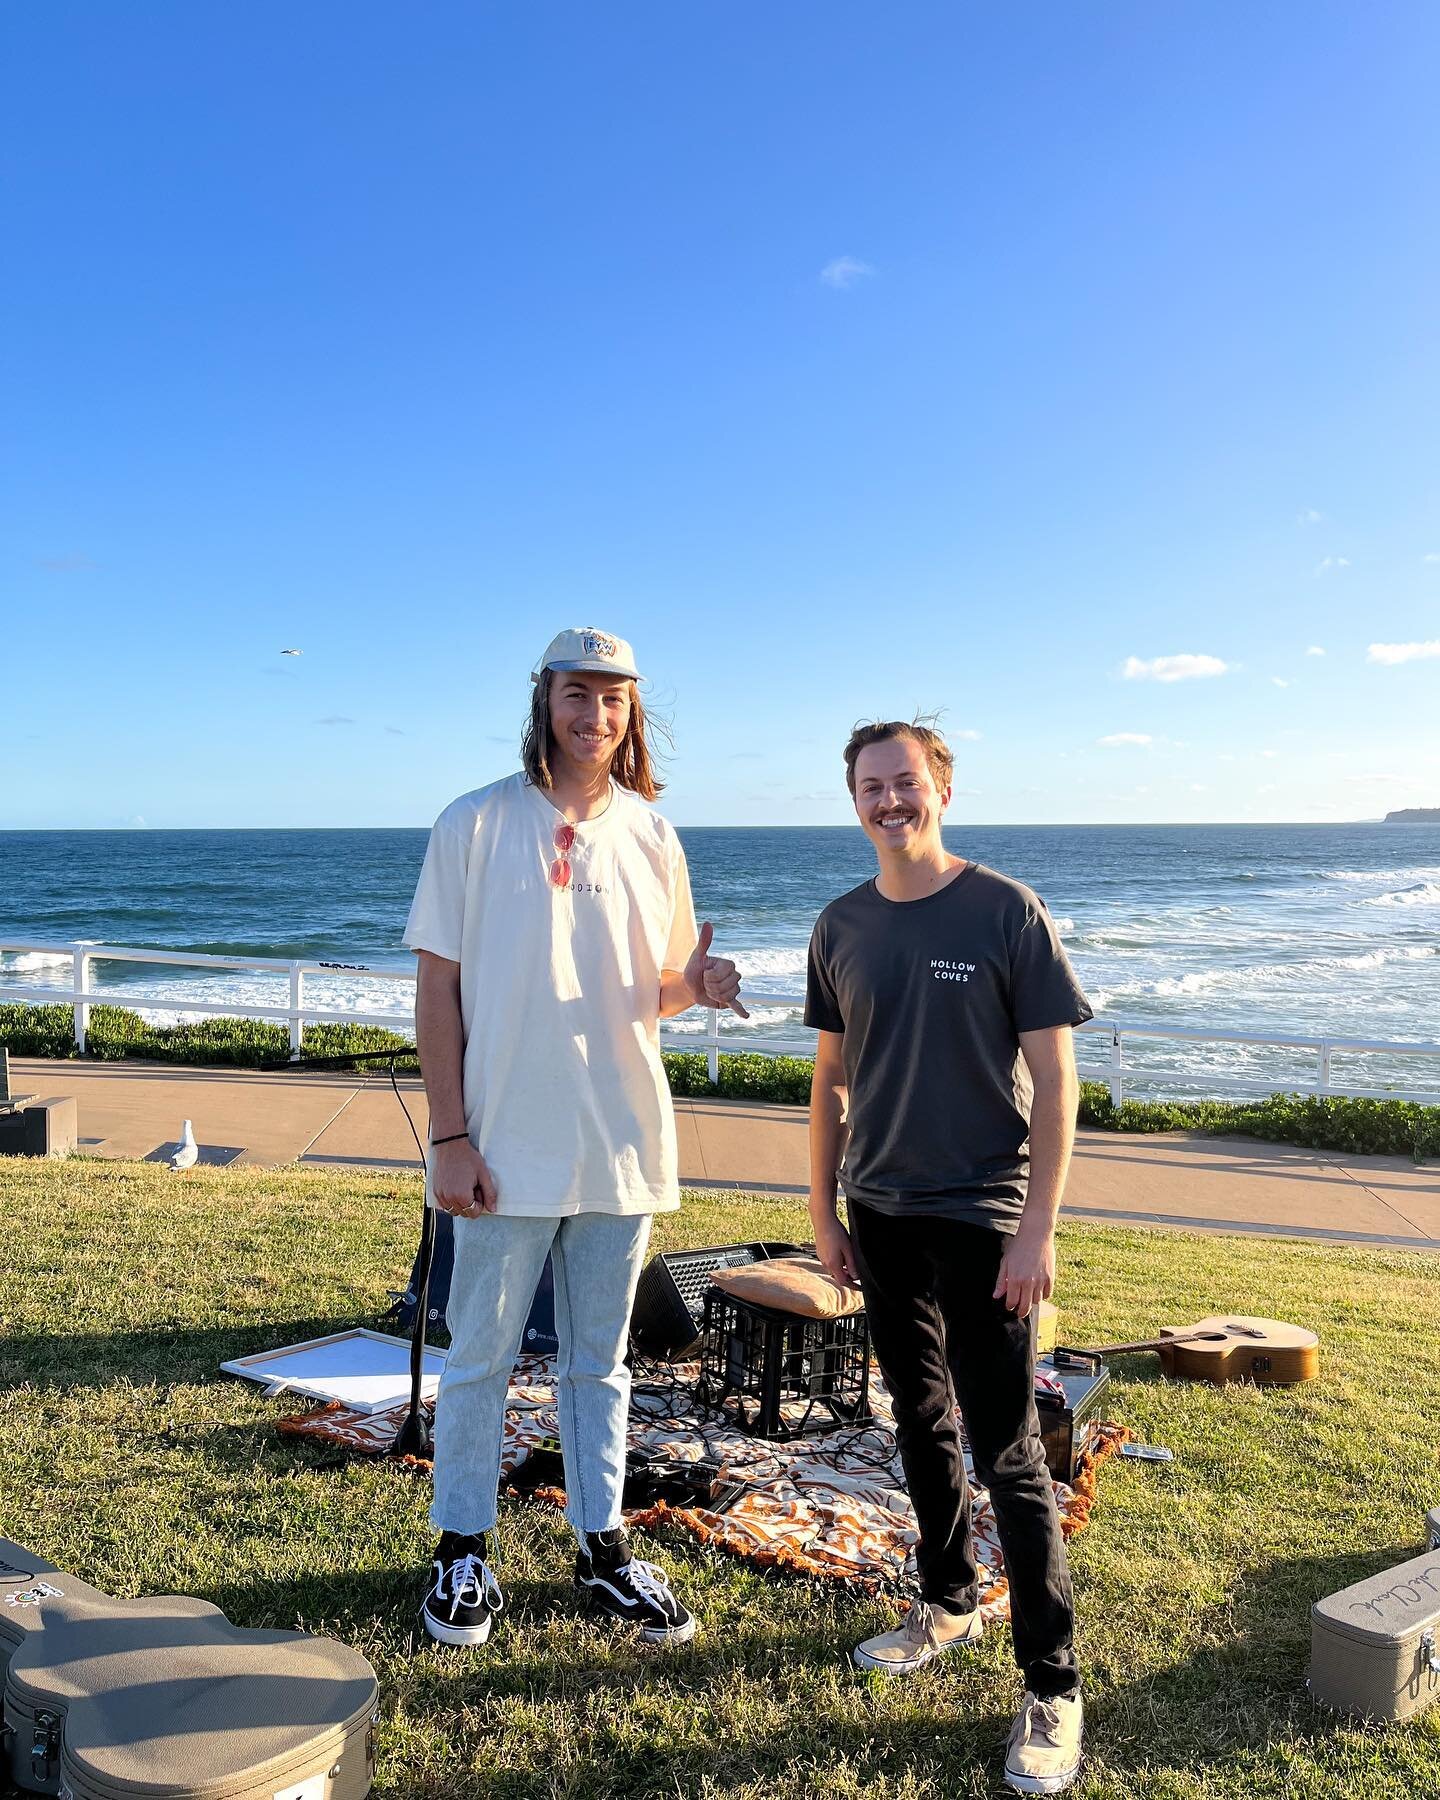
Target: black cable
415 1437
406 1110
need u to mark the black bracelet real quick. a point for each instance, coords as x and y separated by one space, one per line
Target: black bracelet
454 1138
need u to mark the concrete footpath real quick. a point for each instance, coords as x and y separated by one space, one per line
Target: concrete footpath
329 1120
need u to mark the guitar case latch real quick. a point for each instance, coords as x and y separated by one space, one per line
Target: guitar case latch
45 1746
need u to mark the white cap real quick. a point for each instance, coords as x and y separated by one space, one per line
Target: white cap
583 647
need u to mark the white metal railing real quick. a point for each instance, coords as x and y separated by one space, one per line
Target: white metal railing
723 1032
82 997
1113 1070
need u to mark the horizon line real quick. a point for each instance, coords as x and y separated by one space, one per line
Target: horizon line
793 825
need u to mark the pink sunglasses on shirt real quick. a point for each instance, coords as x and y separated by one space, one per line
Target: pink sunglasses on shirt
564 843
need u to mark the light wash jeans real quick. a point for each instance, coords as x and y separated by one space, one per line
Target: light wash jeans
596 1259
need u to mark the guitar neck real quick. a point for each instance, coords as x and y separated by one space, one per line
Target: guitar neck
1183 1337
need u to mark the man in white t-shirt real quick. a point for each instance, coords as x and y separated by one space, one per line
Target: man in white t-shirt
554 929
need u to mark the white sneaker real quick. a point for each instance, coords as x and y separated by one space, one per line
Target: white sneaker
924 1633
1044 1751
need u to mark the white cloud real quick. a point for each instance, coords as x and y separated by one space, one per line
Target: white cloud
1118 738
1309 516
1269 755
1186 667
1198 787
1327 563
1431 556
1315 650
1278 681
845 271
1390 654
1375 780
963 737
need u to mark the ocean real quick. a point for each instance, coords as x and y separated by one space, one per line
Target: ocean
1273 930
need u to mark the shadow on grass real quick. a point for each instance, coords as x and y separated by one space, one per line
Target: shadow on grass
1242 1696
434 1689
167 1356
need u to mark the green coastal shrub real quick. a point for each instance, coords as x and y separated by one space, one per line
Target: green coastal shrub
1316 1122
1360 1127
117 1034
37 1030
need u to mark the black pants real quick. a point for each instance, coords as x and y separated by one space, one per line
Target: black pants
938 1336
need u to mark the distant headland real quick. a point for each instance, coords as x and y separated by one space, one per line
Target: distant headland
1414 815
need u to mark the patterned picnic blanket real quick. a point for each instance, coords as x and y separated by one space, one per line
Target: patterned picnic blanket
832 1504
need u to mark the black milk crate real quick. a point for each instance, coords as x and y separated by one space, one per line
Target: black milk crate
781 1376
1068 1428
670 1299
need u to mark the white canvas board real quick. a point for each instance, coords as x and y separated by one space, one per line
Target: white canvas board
365 1370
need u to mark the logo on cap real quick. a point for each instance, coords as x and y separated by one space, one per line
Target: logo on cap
597 644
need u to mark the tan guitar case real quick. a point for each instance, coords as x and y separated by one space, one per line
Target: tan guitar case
109 1699
1375 1647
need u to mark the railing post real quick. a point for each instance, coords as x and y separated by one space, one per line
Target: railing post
1324 1083
1117 1083
297 1000
712 1058
82 1011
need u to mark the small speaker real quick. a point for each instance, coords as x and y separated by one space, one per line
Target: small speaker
670 1299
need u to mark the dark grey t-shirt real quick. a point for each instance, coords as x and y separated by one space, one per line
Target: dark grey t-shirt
932 995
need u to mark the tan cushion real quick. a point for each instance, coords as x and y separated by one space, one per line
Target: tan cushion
791 1284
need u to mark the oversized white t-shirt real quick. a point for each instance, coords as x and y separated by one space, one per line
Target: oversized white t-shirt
565 1093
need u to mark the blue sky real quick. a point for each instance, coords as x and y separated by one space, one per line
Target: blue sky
848 359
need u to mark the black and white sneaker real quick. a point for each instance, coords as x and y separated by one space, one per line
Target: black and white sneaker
464 1595
613 1578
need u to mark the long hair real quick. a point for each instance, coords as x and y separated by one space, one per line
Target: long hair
633 765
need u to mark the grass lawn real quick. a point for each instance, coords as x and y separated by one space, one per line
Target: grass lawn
129 1460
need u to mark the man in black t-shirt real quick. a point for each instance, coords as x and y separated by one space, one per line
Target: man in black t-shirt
944 1005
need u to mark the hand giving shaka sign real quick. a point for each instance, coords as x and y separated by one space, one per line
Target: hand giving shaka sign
713 980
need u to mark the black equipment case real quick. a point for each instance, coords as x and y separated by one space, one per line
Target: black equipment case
1068 1427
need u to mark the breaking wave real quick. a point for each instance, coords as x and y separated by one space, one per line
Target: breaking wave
1259 975
28 962
1423 893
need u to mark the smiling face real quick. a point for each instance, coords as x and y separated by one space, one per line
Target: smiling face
589 716
897 801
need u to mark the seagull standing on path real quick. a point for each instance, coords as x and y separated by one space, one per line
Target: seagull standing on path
189 1152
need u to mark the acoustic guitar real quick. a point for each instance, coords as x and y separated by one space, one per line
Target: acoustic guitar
1225 1348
